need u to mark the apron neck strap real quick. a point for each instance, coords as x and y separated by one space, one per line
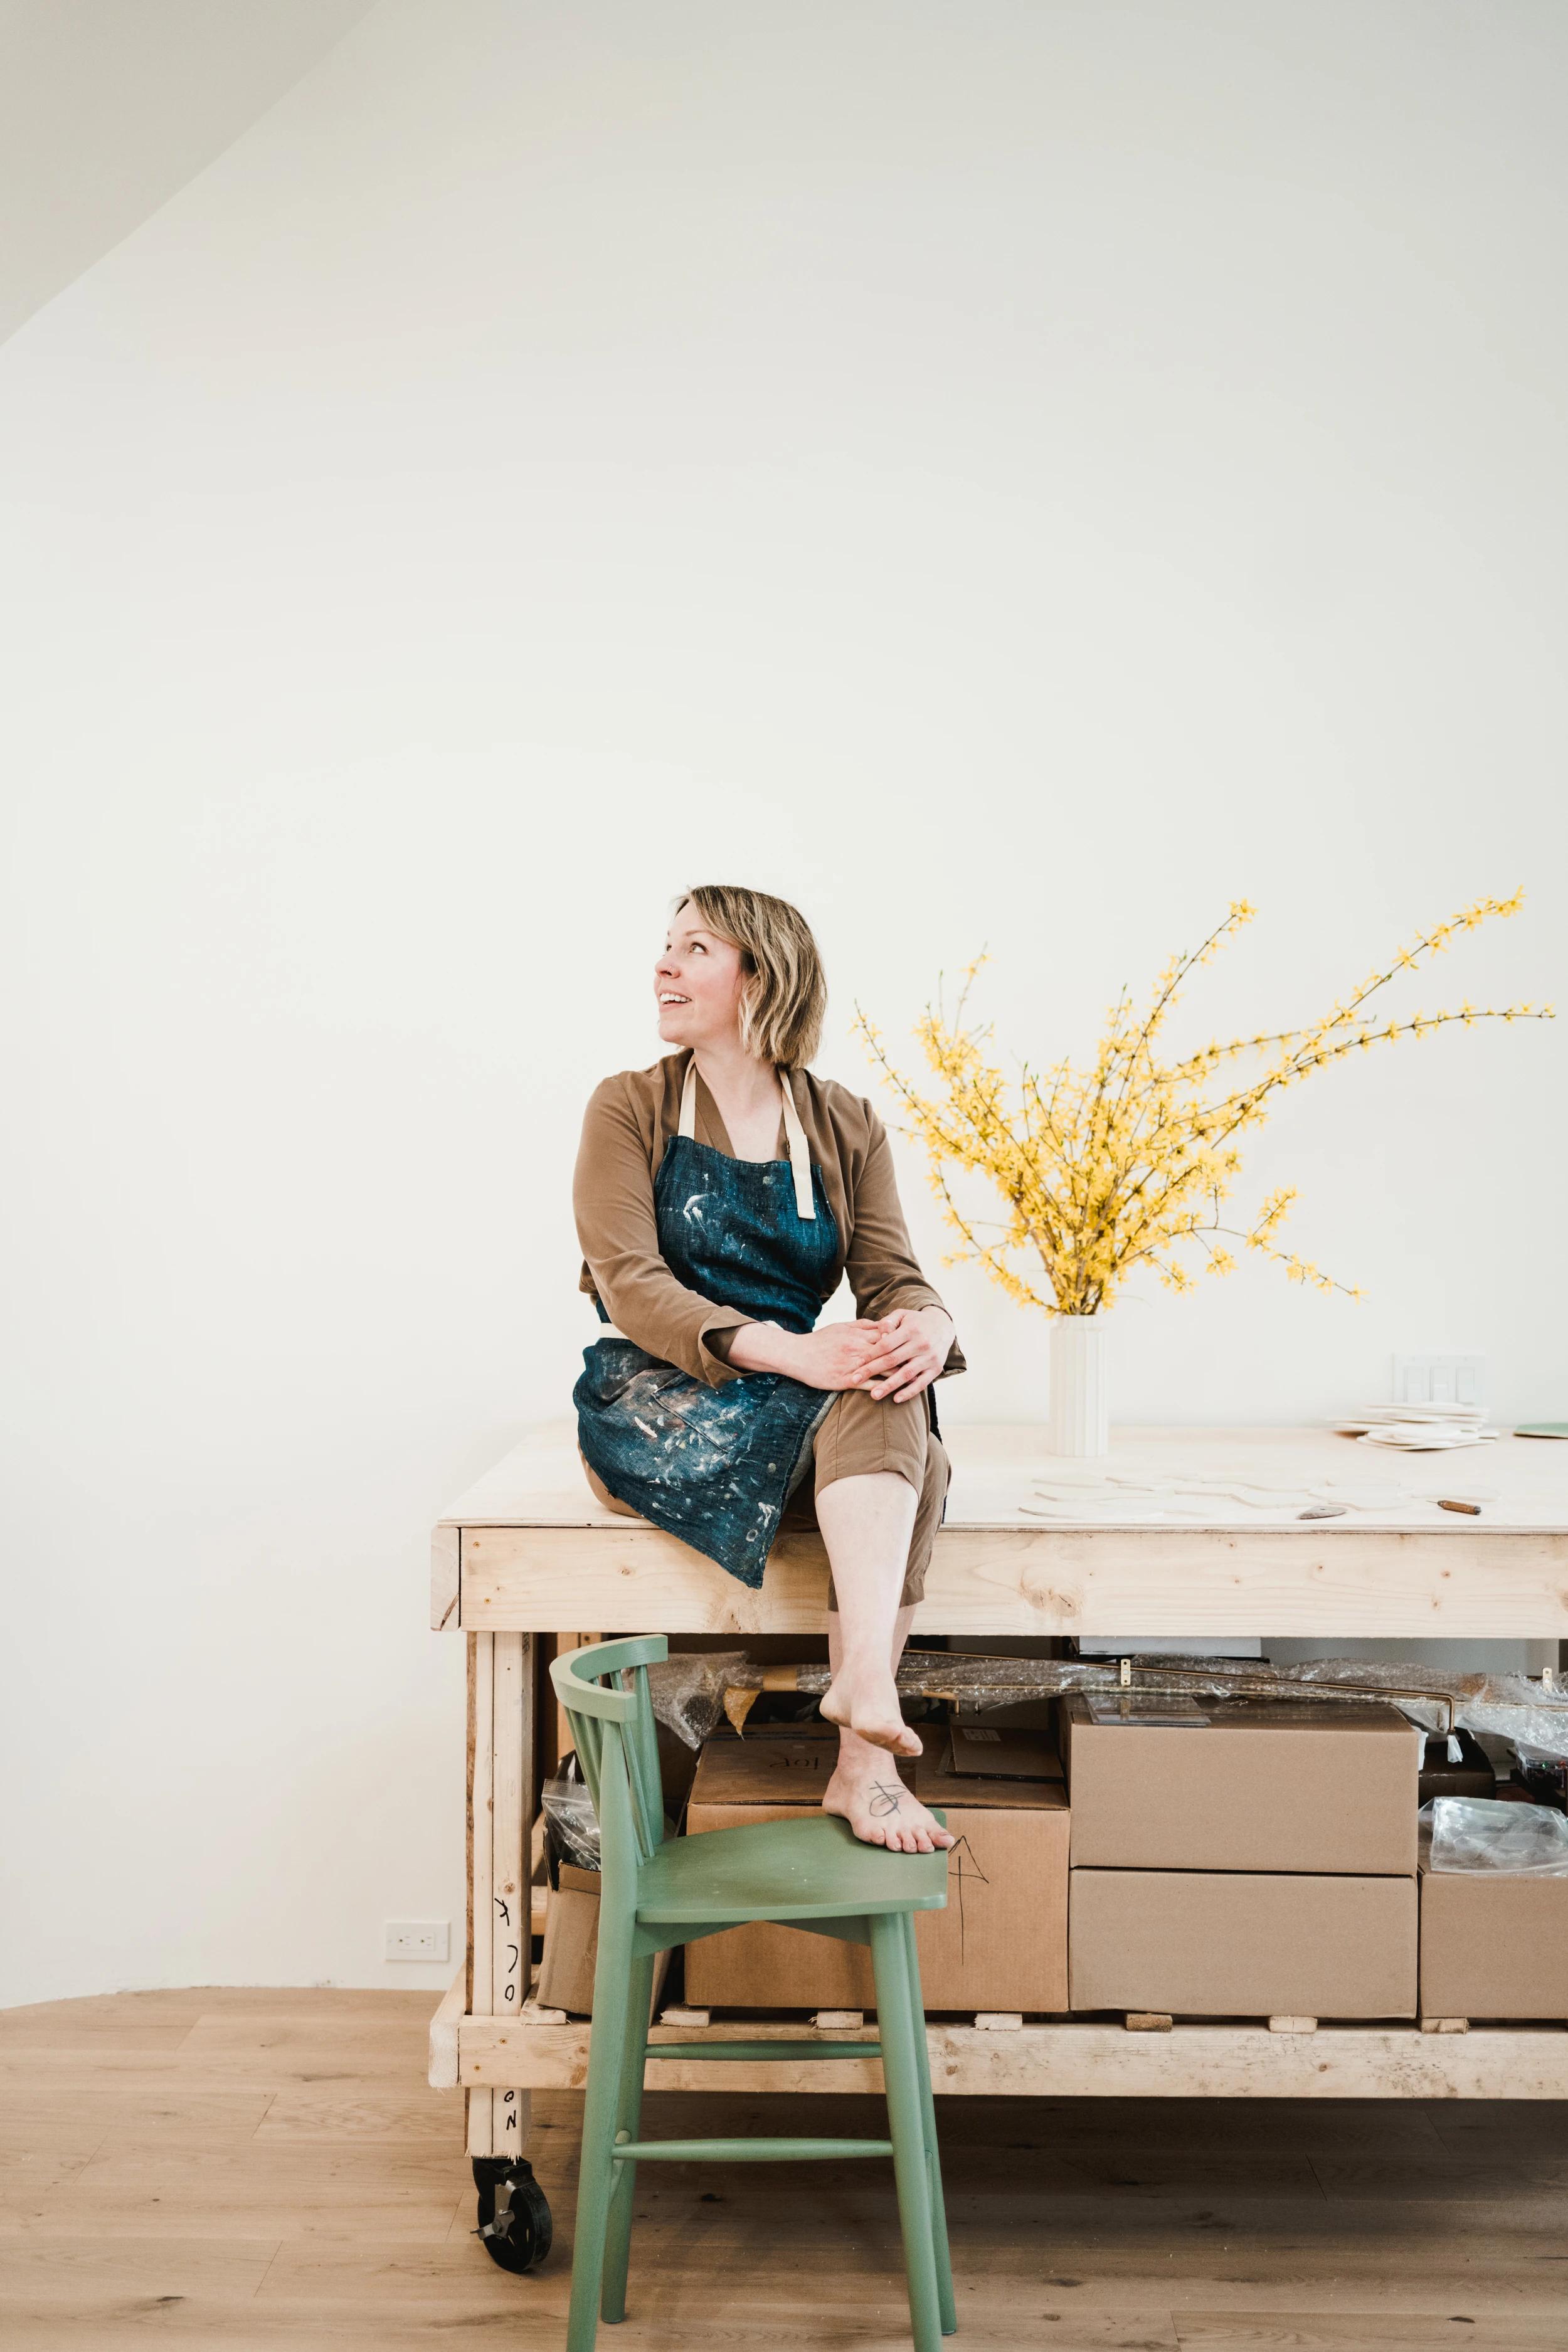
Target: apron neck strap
795 1133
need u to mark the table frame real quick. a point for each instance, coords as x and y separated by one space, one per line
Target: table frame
511 1564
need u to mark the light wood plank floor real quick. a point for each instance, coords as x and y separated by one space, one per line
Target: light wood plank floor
243 2170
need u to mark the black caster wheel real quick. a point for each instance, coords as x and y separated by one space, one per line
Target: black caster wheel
514 2225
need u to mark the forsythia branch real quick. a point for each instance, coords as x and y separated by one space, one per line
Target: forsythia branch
1124 1163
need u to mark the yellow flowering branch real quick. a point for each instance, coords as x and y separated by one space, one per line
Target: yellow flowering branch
1122 1164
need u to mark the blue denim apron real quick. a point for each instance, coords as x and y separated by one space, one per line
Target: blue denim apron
715 1465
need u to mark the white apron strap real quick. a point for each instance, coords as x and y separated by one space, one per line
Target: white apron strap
799 1152
795 1133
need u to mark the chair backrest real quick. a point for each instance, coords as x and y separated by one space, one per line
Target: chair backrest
604 1689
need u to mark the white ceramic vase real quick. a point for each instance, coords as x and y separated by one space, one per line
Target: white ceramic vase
1079 1420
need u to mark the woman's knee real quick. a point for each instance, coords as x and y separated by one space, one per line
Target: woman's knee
862 1435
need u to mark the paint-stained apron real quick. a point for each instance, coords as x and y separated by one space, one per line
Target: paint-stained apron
715 1465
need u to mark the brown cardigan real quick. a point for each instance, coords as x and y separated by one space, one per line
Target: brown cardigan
624 1130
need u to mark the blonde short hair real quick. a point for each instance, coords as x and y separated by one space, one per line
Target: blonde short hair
784 997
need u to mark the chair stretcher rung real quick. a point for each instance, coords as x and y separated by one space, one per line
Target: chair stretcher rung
760 2053
745 2151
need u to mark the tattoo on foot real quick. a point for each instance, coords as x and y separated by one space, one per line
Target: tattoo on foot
885 1798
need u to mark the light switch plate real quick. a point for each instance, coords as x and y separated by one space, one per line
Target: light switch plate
1440 1380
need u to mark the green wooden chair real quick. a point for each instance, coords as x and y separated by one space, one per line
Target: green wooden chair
657 1892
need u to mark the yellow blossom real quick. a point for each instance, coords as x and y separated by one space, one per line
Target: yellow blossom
1101 1169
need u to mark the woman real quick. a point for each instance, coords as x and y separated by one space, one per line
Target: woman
719 1194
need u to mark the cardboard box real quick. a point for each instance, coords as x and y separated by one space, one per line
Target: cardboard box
1265 1786
997 1752
775 1763
739 1783
1243 1944
1472 1776
565 1978
1492 1945
1001 1943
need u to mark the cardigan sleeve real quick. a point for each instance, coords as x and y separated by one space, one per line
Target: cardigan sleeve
612 1199
882 1268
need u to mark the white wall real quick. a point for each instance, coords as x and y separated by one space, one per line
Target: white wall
1024 473
105 110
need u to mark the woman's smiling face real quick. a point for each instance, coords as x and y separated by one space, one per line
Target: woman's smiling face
697 984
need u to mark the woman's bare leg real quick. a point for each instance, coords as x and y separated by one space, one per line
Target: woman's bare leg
866 1788
866 1522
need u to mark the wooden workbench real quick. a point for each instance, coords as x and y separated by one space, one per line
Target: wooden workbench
1179 1532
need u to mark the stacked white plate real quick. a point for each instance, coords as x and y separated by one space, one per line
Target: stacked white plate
1419 1428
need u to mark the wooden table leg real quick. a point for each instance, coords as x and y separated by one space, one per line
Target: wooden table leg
502 1804
482 1775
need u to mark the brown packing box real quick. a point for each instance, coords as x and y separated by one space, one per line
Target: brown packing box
1472 1776
1240 1944
739 1783
1261 1786
1493 1944
565 1978
998 1752
1001 1942
750 1769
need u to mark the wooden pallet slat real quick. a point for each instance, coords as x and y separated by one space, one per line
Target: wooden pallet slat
1076 2061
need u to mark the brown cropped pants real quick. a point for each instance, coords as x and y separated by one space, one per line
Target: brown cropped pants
856 1437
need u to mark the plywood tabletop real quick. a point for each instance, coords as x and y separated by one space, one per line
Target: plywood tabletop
1005 1477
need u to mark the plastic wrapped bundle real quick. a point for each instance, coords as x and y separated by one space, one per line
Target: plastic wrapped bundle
688 1689
572 1822
1515 1707
1482 1833
972 1681
964 1675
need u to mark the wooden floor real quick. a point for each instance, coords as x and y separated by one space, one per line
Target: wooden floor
248 2169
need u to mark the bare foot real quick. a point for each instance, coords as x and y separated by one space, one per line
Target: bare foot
865 1700
872 1799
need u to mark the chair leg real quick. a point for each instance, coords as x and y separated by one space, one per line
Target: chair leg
629 2116
606 2049
933 2154
896 2018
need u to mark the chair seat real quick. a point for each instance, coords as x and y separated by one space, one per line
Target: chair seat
814 1868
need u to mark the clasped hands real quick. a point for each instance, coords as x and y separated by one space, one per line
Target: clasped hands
896 1355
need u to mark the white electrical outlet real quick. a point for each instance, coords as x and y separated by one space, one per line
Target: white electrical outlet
419 1939
1440 1380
